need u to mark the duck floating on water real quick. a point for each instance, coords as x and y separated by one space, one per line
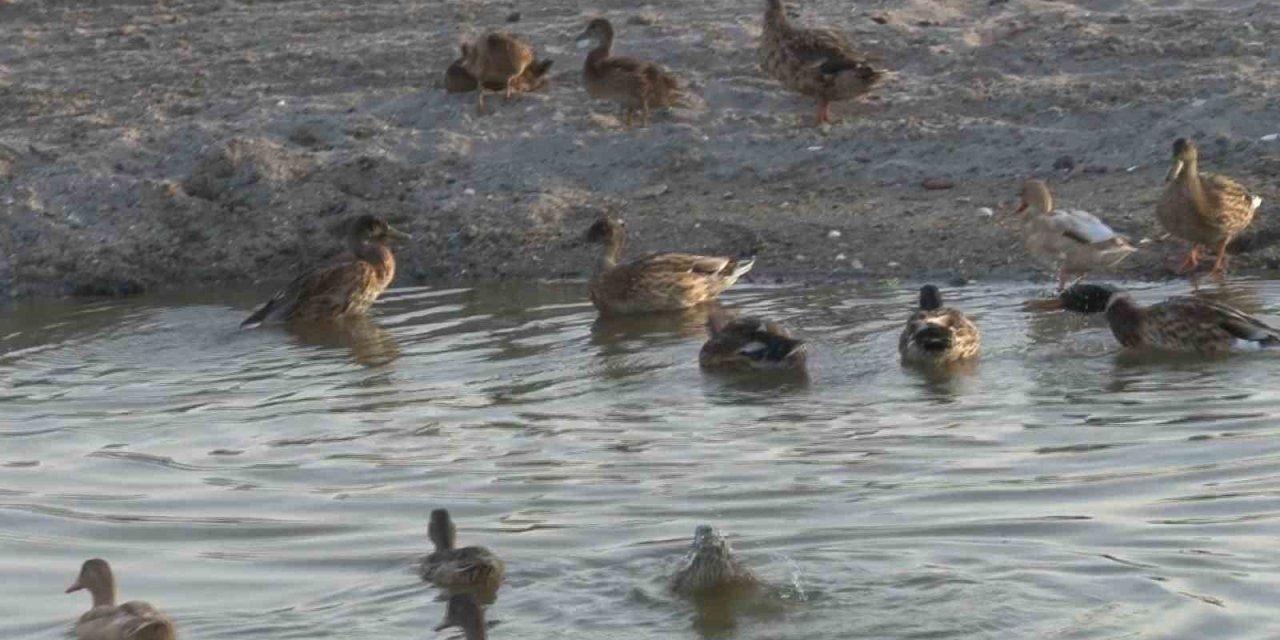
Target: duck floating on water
711 566
747 344
346 287
474 569
133 620
1074 241
819 63
638 85
658 282
936 334
1185 324
1205 209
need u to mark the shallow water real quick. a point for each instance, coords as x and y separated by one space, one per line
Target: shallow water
261 484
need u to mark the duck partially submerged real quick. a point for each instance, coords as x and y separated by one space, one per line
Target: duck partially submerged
711 566
1205 209
465 612
749 344
498 59
133 620
458 80
1184 324
474 569
638 85
936 334
819 63
658 282
346 287
1074 241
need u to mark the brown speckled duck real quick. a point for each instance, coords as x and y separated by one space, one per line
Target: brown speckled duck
458 80
134 620
498 58
637 85
343 288
475 569
658 282
1074 241
819 63
1205 209
466 613
936 334
749 344
1184 324
711 566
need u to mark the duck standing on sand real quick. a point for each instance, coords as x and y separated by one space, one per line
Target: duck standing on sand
658 282
1073 240
1183 324
498 59
819 63
474 569
635 84
466 613
711 566
458 80
936 334
133 620
749 344
343 288
1205 209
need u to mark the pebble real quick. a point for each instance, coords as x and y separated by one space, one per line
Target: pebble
855 263
986 211
1270 137
841 257
833 234
937 184
1065 163
469 191
893 264
514 16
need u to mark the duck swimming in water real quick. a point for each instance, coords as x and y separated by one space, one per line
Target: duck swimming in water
474 569
936 334
133 620
346 287
746 344
710 566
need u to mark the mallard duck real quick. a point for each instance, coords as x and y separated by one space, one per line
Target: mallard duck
635 84
1204 209
469 568
710 565
937 334
1177 324
134 620
1073 240
339 289
458 80
499 59
749 344
814 62
466 613
658 282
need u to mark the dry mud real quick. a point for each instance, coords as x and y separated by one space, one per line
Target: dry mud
172 143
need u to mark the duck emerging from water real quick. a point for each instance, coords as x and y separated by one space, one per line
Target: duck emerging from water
1205 209
1075 241
475 569
466 613
638 85
749 344
133 620
819 63
658 282
936 334
346 287
711 566
1178 324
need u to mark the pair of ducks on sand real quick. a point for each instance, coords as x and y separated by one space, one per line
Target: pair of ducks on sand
819 63
471 576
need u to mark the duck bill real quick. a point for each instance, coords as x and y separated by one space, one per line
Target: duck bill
396 234
75 586
1173 171
583 40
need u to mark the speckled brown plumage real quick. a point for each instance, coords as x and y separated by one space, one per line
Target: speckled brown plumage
474 569
747 344
458 80
819 63
498 58
639 86
711 566
1205 209
936 334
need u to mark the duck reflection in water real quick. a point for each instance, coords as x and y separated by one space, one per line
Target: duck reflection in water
465 612
370 344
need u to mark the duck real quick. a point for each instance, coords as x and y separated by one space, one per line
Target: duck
458 80
710 565
465 612
498 59
748 344
1179 324
819 63
637 85
106 620
344 288
474 569
658 282
1075 241
936 334
1204 209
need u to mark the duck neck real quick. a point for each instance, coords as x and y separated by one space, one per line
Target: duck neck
611 254
1189 178
104 593
775 17
376 254
603 49
1125 319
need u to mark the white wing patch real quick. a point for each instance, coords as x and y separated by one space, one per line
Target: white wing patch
1081 224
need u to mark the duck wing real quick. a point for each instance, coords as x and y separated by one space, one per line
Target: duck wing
1206 313
331 286
1081 226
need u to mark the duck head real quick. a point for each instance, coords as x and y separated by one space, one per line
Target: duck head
1035 194
95 577
598 31
441 530
371 228
1185 153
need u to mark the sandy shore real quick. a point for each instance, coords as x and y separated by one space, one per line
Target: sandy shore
166 143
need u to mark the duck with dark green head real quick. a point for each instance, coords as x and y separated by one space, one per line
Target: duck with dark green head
345 287
936 334
1182 323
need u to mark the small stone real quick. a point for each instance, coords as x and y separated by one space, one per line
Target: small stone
1095 169
841 257
1065 163
986 211
937 184
469 191
1270 137
893 265
1120 19
855 263
833 234
514 16
652 191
